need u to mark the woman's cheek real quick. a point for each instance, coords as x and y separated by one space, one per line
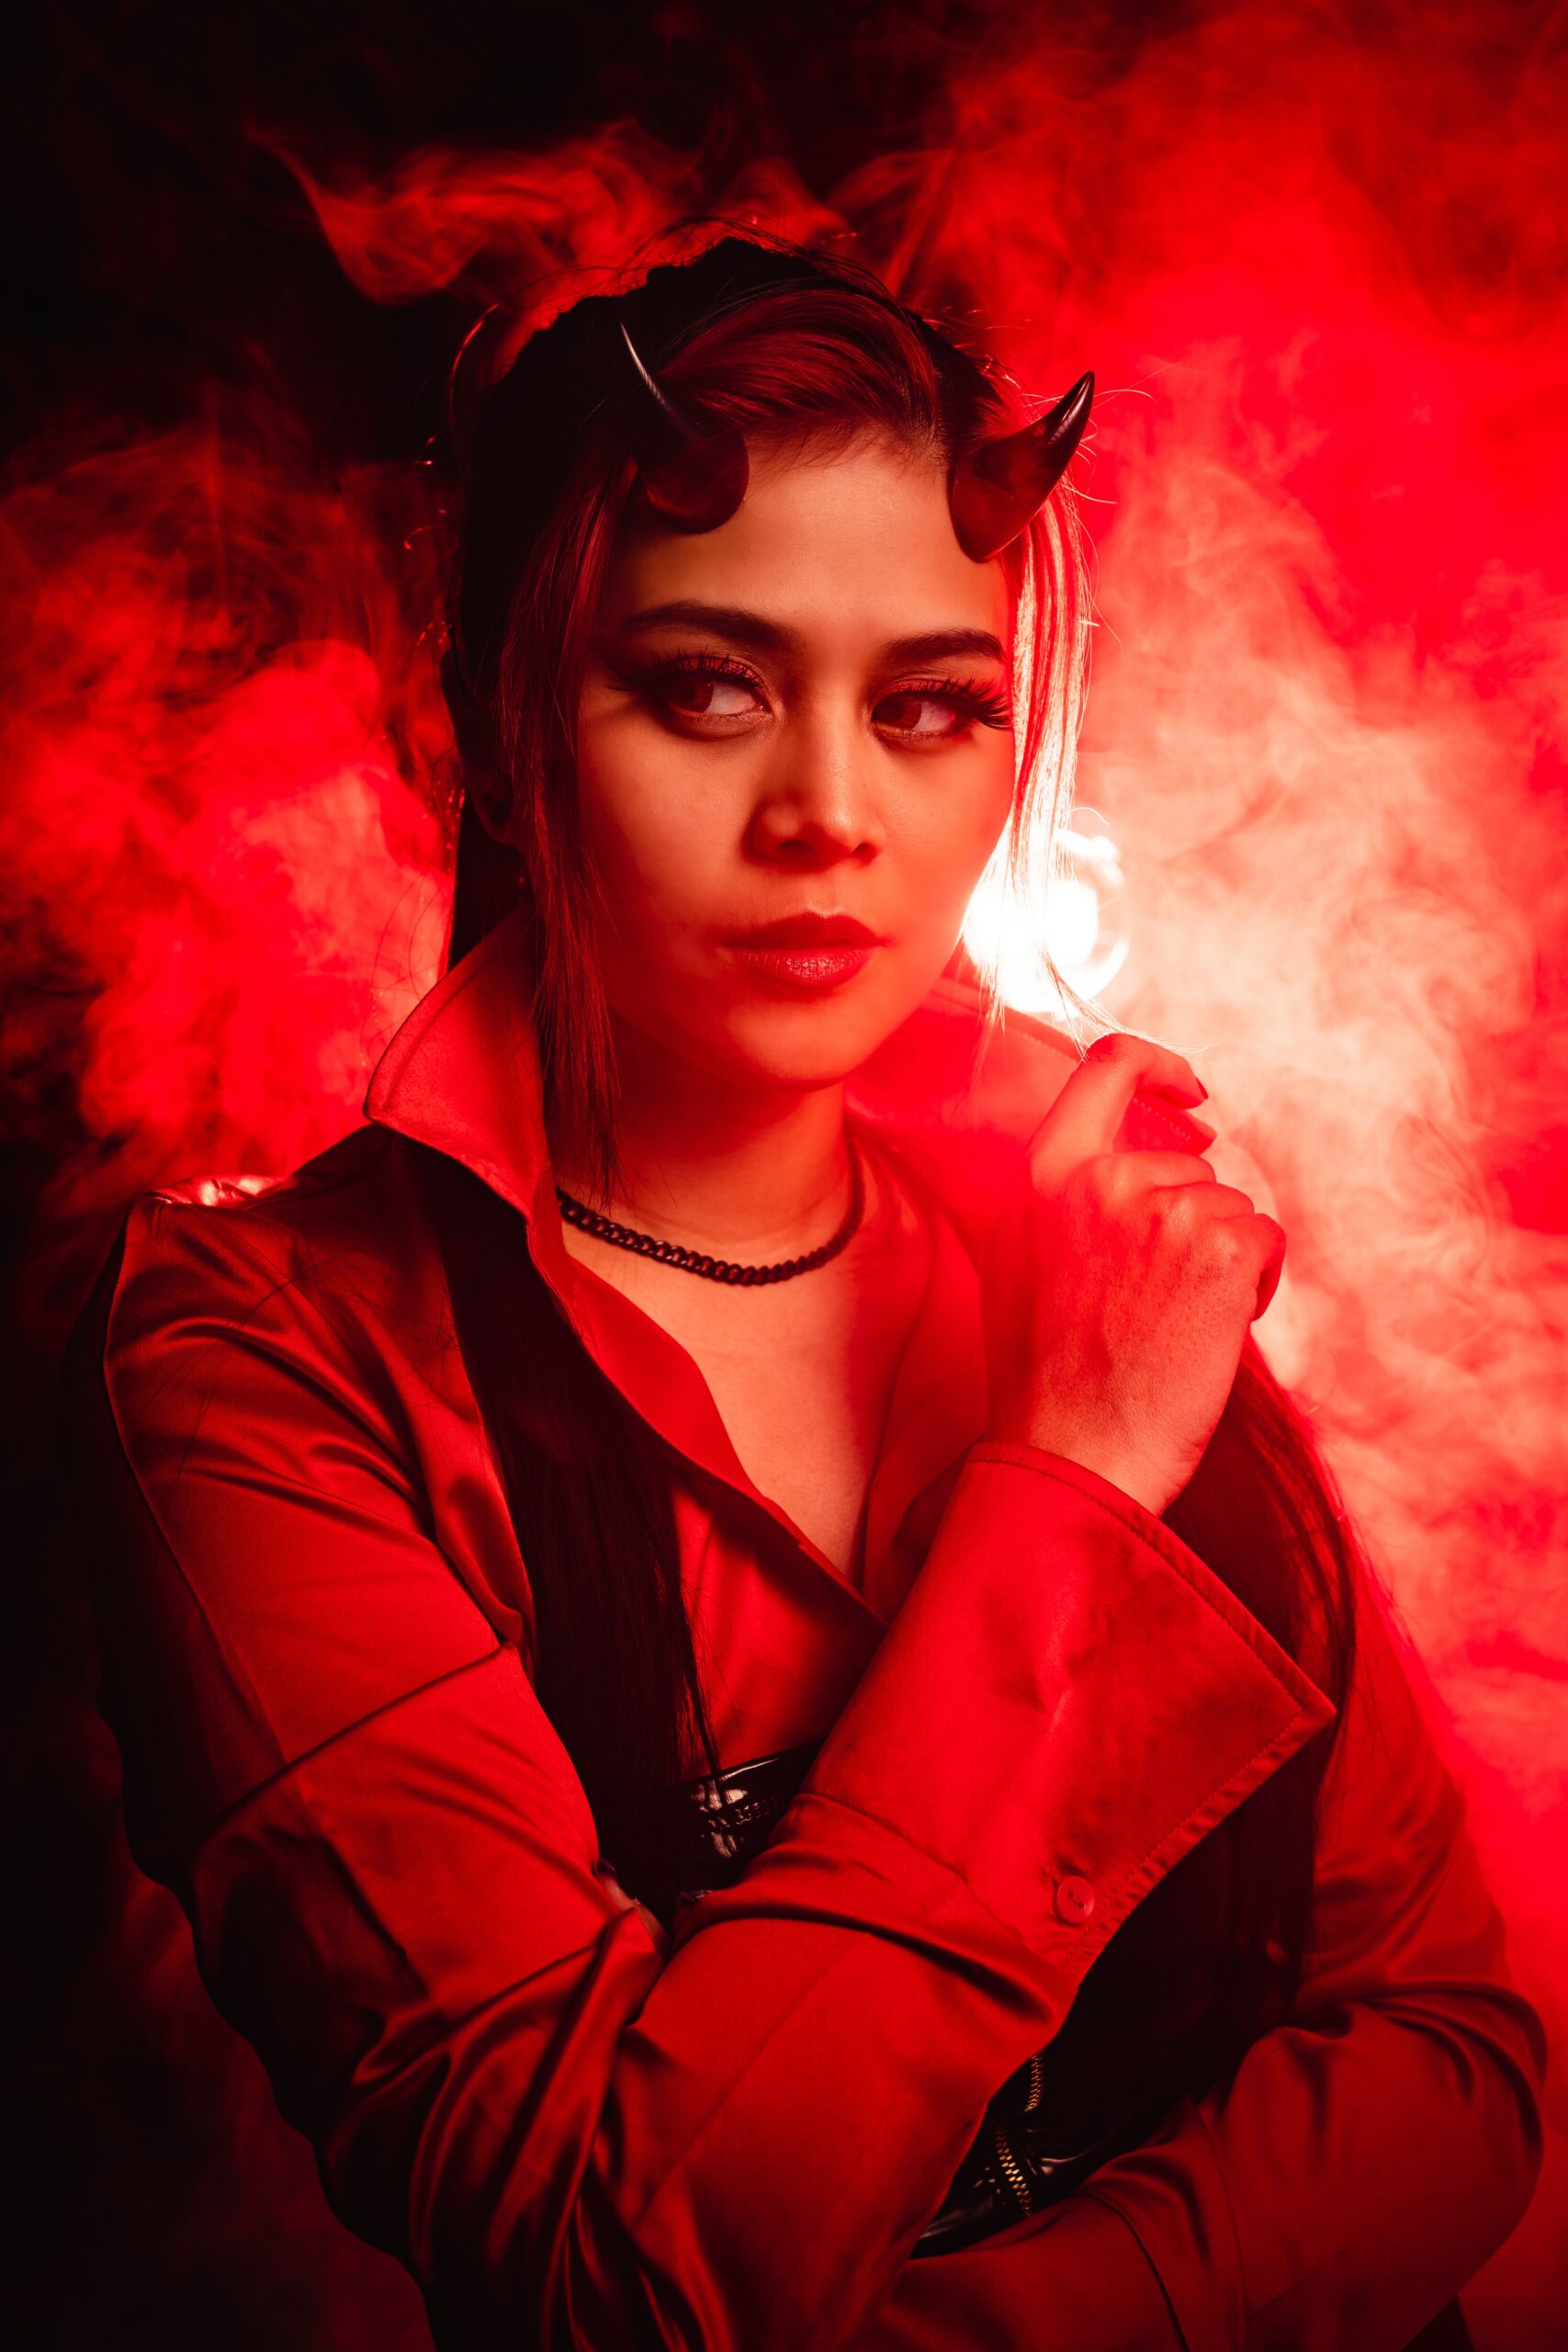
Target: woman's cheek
641 850
666 891
955 862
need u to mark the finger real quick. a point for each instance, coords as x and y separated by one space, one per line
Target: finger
1225 1203
1153 1122
1127 1173
1085 1116
1268 1281
1261 1238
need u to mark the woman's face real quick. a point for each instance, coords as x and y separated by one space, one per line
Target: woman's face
803 714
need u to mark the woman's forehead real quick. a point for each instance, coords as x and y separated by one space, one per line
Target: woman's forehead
827 548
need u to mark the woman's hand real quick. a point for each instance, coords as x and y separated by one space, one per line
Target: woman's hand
1120 1285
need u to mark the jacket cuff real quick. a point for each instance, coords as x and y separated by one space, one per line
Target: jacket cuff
1068 1699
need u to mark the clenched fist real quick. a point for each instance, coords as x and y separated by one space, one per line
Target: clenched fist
1120 1285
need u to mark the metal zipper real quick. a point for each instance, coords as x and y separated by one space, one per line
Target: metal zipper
1012 2171
1036 2083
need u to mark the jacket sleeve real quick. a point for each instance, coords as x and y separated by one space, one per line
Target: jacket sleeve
1366 2157
573 2130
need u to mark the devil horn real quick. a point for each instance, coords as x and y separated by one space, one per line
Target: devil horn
693 472
1001 482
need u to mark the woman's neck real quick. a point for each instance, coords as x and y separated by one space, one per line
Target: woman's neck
737 1171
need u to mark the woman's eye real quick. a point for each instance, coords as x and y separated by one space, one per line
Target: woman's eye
706 687
950 711
707 694
698 687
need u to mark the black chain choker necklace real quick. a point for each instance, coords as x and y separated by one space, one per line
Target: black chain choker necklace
723 1269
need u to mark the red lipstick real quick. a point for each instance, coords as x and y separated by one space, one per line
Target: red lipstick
804 955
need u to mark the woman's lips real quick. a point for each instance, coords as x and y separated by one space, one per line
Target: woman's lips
802 971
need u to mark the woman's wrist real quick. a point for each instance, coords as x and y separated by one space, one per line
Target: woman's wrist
1134 1478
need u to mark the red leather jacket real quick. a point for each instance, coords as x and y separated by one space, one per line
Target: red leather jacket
578 2130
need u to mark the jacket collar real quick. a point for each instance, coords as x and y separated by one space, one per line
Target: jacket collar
462 1075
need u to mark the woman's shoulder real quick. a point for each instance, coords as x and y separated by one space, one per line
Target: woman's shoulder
318 1264
339 1187
250 1428
351 1204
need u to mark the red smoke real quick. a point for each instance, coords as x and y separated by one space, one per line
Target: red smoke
1319 273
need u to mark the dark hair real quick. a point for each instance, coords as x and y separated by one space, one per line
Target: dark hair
790 346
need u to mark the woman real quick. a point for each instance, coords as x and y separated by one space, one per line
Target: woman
757 1703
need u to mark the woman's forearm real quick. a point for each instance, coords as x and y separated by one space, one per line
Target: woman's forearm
556 2120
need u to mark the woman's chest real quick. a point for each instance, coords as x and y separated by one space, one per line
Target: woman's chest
806 1431
817 1430
801 1374
802 1385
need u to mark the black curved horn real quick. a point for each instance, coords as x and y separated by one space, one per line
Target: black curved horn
997 485
693 472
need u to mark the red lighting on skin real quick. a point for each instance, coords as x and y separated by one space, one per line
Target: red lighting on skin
1317 273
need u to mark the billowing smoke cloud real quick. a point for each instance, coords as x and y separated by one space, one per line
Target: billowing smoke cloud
1320 277
220 841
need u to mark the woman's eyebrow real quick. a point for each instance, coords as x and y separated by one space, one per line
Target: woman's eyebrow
754 630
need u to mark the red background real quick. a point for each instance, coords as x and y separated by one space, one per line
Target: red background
1315 257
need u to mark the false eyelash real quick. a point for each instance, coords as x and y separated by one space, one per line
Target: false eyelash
718 664
644 675
645 678
986 704
991 708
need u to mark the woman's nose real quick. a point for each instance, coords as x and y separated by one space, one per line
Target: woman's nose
818 806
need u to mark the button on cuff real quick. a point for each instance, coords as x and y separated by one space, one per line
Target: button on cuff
1074 1900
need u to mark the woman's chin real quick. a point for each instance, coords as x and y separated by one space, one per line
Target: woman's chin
772 1040
761 1055
803 1048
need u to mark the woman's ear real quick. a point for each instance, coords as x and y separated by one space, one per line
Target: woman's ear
483 783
